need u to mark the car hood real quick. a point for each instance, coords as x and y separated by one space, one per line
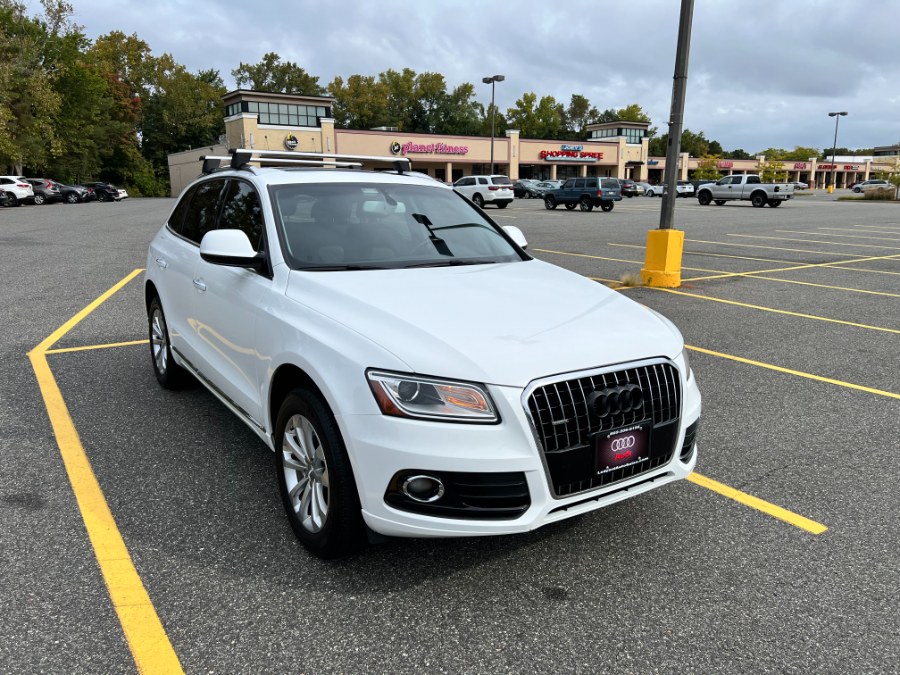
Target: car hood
504 324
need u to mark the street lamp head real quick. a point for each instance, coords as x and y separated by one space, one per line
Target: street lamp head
488 80
835 114
493 78
499 78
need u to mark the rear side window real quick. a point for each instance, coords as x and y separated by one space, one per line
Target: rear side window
201 214
569 183
579 183
482 181
750 179
591 182
501 180
177 217
242 211
610 183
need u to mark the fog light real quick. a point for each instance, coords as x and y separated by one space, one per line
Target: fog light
422 488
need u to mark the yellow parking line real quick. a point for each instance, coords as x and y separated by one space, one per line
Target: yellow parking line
798 373
850 236
755 275
774 248
778 311
814 241
861 269
712 255
146 637
758 504
91 347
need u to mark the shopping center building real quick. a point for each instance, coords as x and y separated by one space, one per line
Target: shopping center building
271 121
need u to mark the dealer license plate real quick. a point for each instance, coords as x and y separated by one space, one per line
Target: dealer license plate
623 447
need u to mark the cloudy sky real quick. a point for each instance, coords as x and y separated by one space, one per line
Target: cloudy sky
763 73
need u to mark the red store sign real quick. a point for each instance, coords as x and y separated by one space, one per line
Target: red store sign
725 164
826 167
800 165
570 155
851 167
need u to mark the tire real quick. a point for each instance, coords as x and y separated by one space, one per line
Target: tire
585 204
704 198
502 205
168 373
570 207
549 203
607 206
315 478
12 200
857 190
758 199
650 193
39 199
719 202
478 201
102 197
71 198
774 203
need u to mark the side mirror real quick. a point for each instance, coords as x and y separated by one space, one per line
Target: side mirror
230 247
516 235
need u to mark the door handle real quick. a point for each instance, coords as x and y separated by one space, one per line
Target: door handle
162 263
199 285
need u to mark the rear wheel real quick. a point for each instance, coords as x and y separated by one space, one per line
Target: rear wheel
585 204
12 200
758 199
570 207
704 198
315 478
39 199
607 206
719 202
479 201
71 198
502 205
549 203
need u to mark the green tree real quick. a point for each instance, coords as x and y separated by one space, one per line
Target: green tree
633 113
361 103
501 124
800 154
772 172
273 74
695 144
707 169
461 113
429 96
536 119
740 153
29 102
399 90
578 115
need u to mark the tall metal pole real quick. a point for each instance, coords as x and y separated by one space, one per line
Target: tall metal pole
676 116
837 118
494 112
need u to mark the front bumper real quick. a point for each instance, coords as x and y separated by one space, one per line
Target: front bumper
380 447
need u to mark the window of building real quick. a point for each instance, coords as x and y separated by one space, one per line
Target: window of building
282 114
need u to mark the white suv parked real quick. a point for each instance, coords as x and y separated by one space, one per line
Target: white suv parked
415 371
17 189
496 190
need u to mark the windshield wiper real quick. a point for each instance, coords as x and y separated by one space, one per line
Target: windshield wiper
439 244
340 268
451 262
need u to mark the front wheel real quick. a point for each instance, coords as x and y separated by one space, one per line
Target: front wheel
549 203
585 204
102 197
607 206
758 200
11 199
479 201
704 198
719 202
315 478
168 373
71 198
39 199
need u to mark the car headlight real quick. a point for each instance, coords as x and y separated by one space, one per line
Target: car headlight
687 364
430 398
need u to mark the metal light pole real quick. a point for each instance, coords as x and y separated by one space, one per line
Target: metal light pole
491 81
837 118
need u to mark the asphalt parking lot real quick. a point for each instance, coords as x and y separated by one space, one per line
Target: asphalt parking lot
780 556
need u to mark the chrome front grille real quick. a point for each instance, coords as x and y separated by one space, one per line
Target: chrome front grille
566 425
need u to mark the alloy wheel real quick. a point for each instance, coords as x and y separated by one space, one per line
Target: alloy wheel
159 341
305 473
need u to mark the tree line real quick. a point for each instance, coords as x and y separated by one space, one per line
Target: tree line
78 109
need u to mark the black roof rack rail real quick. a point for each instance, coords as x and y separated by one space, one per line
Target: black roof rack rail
240 158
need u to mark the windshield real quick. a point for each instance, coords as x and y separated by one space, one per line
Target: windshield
340 226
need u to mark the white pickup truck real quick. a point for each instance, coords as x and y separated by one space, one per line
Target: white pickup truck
744 186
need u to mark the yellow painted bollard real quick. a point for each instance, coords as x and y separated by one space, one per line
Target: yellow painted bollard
662 262
830 189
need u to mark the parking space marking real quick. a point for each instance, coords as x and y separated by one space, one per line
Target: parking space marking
754 275
853 236
147 639
758 504
815 241
887 228
778 311
774 248
722 274
725 255
86 348
798 373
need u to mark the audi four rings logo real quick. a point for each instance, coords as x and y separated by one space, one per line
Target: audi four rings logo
616 400
623 443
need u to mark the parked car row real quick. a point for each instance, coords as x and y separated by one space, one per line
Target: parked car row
18 190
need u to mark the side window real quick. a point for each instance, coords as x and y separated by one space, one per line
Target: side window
482 181
753 179
569 184
242 211
204 207
177 218
5 181
591 183
579 183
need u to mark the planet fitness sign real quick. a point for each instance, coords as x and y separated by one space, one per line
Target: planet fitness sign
398 148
